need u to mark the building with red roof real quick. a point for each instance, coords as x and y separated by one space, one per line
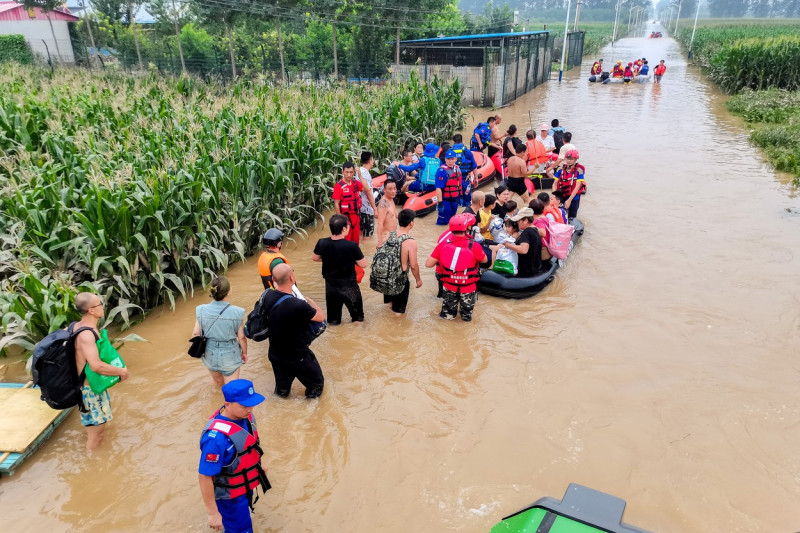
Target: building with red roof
35 25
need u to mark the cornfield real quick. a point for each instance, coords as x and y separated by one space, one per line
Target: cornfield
748 56
140 188
775 116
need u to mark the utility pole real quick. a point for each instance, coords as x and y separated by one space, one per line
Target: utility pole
678 16
577 15
616 20
564 46
697 14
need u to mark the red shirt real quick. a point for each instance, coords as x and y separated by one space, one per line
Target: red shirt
477 253
347 192
660 70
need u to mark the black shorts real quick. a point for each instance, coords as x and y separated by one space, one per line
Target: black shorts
399 301
517 185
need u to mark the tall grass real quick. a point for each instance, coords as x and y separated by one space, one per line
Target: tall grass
775 117
748 55
140 188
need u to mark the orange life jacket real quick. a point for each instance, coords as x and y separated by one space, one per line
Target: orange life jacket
264 262
556 214
537 153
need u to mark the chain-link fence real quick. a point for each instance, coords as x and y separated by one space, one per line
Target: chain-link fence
493 70
574 49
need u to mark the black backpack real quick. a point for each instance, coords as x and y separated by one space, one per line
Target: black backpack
55 371
558 139
257 325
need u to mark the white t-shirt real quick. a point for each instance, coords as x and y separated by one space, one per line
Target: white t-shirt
564 149
366 207
548 142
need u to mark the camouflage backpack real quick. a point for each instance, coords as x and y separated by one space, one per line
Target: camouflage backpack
387 276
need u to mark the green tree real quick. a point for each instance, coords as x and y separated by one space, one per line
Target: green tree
227 15
113 9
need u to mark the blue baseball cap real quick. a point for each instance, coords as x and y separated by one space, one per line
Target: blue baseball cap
449 154
241 391
431 150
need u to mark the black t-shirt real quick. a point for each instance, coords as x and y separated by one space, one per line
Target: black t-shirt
530 263
500 210
469 211
288 324
338 258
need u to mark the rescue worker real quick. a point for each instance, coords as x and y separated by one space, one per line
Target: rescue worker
458 258
617 71
570 182
659 71
271 257
627 74
448 188
230 471
426 170
468 166
597 68
347 200
481 135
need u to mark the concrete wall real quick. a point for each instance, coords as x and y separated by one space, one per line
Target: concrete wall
471 79
37 30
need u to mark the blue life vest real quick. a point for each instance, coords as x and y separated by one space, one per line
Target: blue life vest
465 165
644 70
428 176
484 133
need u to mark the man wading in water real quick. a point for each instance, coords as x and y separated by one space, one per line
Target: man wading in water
385 212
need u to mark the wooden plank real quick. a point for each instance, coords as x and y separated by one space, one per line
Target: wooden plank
23 417
15 460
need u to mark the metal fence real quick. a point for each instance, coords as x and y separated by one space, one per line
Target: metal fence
574 49
525 63
493 69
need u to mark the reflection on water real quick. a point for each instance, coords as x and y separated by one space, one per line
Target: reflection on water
659 365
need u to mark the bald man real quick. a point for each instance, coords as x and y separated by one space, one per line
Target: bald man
98 406
290 320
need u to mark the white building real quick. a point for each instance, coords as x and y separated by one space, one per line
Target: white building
33 24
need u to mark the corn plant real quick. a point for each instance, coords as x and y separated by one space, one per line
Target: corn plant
142 188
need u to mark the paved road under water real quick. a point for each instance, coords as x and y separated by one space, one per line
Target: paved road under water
660 365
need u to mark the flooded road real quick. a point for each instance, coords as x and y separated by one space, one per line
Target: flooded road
660 366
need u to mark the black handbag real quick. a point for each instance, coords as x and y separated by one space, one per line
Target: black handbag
197 348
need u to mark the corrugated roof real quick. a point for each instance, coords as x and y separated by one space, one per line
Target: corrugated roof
480 37
59 13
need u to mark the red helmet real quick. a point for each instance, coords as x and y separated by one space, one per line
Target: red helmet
462 222
572 154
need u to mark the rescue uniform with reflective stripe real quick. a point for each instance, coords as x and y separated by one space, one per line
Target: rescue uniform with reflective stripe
349 196
449 180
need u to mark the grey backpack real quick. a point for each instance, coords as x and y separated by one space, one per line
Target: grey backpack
387 276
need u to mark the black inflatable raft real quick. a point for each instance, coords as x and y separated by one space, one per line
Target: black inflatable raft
497 284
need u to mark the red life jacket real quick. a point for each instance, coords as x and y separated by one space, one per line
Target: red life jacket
597 68
569 180
459 266
351 198
452 187
244 474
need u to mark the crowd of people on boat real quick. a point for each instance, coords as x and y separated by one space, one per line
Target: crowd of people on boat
655 35
638 69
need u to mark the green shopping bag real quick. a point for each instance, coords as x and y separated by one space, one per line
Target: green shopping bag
108 354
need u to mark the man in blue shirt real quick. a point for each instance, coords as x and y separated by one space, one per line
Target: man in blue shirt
230 460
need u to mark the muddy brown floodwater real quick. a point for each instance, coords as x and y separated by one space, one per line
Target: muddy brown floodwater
660 366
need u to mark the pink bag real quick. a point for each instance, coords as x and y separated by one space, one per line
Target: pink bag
560 239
